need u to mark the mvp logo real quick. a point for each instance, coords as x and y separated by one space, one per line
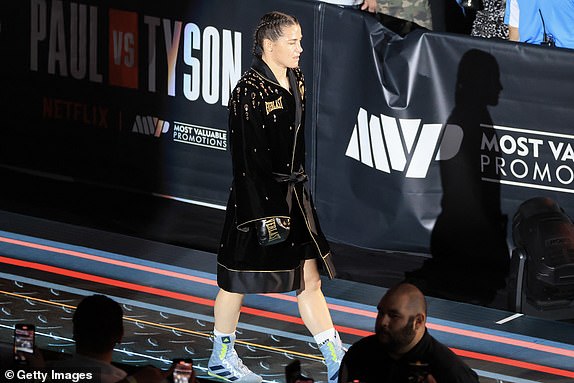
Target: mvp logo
402 145
150 126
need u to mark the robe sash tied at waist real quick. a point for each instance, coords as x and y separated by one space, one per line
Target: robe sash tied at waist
293 179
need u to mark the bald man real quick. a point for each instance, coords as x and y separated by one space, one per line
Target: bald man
401 349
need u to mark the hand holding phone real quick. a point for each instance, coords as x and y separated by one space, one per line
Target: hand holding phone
24 336
182 371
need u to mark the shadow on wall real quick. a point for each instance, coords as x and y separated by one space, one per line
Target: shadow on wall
470 256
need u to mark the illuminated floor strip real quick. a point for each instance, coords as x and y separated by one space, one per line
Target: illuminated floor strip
510 318
164 327
502 340
482 373
165 309
464 353
165 293
296 320
502 378
515 363
154 270
277 316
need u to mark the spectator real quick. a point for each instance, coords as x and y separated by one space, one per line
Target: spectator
459 15
489 21
559 19
541 22
411 11
97 328
402 349
365 5
524 22
415 11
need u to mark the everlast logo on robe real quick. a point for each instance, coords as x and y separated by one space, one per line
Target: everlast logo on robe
272 229
270 106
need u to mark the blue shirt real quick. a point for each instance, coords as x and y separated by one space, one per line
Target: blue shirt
529 21
559 19
556 17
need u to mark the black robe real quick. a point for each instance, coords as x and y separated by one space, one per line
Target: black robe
266 132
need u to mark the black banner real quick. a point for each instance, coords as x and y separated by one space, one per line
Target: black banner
409 128
128 94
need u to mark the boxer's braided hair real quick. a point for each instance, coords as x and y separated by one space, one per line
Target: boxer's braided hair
270 27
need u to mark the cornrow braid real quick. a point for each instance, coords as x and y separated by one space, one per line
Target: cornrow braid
271 27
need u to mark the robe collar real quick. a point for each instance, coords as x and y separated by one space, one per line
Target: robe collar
262 68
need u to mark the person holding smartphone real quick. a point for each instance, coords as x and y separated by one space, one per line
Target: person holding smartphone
24 348
271 240
97 328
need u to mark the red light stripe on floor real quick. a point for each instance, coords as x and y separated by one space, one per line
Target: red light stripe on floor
106 281
514 363
154 270
501 339
266 314
345 309
162 292
115 262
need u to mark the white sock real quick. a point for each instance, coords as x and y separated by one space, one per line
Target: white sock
330 334
221 334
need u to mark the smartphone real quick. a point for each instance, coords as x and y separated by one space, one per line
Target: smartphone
182 371
24 336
